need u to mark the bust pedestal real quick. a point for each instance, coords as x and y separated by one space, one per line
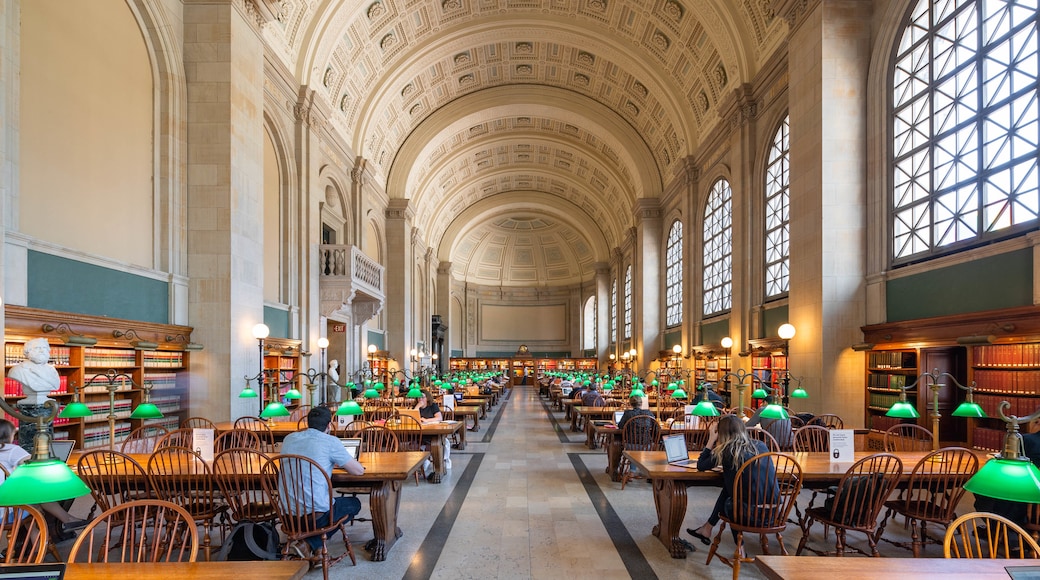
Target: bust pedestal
27 429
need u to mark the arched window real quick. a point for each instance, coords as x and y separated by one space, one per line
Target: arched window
613 310
718 249
588 331
628 302
673 274
778 214
964 126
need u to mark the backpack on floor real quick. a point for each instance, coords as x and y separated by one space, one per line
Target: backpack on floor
250 541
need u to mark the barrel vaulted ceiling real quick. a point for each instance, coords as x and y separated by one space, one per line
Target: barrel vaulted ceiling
523 132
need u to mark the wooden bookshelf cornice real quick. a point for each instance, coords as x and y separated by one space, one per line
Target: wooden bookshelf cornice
1007 325
24 323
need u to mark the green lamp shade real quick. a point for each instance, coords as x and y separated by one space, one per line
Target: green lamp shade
654 382
902 410
967 409
678 394
799 393
293 394
414 393
146 411
274 410
759 393
350 408
774 411
672 386
371 393
637 393
379 386
247 393
75 410
1008 479
608 386
40 482
705 409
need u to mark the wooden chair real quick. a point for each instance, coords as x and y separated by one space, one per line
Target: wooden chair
829 421
180 476
449 415
982 535
379 413
409 436
245 500
289 478
267 444
758 509
176 438
299 413
796 421
161 532
378 438
857 501
764 436
233 438
935 488
114 478
908 437
24 530
143 439
198 423
812 439
641 433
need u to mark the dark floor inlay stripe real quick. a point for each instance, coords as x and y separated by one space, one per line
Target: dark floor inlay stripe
560 432
494 422
429 552
626 547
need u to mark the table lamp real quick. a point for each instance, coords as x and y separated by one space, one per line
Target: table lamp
1010 475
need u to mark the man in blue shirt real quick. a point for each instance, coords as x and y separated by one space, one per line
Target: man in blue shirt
328 451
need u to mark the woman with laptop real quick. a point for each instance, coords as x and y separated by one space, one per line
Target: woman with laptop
729 446
430 412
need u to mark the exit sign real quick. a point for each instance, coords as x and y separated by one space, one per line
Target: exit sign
339 328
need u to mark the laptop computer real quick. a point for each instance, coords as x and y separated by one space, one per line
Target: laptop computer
617 416
413 413
675 451
48 571
62 449
352 445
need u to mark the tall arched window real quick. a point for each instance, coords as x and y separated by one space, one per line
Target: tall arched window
964 126
673 276
718 249
778 215
588 331
613 310
628 302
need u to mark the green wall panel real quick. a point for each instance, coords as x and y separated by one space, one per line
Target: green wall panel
772 318
672 338
56 283
1003 281
713 332
377 339
277 320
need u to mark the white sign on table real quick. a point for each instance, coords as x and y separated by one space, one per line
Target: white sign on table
449 402
843 445
202 443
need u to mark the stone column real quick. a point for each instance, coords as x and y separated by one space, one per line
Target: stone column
399 273
223 62
602 311
828 59
13 282
646 281
442 306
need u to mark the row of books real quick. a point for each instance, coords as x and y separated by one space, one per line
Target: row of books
14 353
886 381
98 436
1008 381
161 381
109 358
1020 406
161 359
1007 355
986 438
101 386
281 362
169 423
891 360
99 410
881 400
767 361
883 423
167 404
13 388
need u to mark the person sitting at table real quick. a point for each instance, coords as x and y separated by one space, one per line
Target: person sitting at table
430 412
636 409
592 397
11 456
729 446
579 390
328 451
780 429
1015 511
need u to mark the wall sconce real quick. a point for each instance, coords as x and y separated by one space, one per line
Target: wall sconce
135 340
862 346
68 336
181 339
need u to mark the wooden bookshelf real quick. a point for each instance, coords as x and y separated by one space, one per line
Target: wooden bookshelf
888 371
282 369
164 368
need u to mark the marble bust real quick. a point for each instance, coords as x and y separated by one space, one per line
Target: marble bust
37 376
333 391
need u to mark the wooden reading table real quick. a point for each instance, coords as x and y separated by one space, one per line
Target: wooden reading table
272 570
797 567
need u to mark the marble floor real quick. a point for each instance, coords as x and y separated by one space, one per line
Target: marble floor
527 499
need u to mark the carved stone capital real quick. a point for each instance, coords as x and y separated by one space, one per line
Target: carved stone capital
793 11
647 208
399 209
